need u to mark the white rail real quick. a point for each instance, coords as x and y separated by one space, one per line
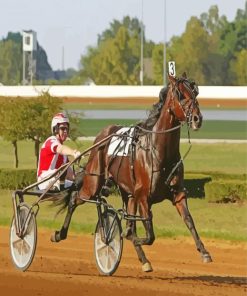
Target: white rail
119 91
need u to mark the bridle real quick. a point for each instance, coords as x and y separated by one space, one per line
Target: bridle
186 105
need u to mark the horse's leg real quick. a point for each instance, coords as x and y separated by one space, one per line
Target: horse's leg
130 224
138 242
132 235
146 265
146 213
57 236
182 208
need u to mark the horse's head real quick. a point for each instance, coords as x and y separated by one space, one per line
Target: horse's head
185 106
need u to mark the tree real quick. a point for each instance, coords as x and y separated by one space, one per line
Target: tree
37 121
11 123
208 49
39 112
116 60
232 41
11 61
157 57
215 66
238 67
27 119
190 51
212 22
43 68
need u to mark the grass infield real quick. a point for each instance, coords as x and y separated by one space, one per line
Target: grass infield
214 129
215 221
217 157
221 221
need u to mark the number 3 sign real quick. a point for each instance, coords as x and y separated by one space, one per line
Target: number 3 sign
171 67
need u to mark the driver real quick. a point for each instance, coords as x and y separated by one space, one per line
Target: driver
54 154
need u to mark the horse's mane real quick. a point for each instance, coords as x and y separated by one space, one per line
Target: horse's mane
154 113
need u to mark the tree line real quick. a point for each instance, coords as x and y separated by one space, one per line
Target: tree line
29 119
212 50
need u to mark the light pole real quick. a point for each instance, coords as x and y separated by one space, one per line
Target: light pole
63 58
29 47
141 71
164 51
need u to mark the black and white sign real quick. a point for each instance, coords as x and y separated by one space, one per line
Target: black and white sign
171 68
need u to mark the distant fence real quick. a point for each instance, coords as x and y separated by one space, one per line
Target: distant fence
119 91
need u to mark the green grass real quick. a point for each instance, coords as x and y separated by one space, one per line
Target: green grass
218 221
210 129
222 221
220 129
83 221
26 153
223 157
91 127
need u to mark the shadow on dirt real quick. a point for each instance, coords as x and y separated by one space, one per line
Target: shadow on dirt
210 279
205 279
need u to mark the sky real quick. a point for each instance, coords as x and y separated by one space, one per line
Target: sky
66 28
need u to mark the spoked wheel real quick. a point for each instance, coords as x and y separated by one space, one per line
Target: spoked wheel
108 244
23 248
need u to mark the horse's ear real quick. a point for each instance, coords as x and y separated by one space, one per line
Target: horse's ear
184 75
172 79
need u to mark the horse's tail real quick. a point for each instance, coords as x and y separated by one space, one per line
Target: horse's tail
62 201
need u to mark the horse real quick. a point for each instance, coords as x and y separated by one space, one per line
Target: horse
152 169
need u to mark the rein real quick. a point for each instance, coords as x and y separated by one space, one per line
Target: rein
180 161
176 92
160 132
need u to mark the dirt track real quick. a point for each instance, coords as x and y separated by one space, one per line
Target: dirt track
68 268
204 103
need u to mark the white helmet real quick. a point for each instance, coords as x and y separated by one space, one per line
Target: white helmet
57 120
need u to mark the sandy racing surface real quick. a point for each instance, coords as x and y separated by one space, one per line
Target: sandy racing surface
204 103
68 268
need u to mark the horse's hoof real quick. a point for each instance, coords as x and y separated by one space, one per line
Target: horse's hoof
55 237
146 267
206 258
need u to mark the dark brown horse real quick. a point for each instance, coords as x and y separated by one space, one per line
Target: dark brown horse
151 171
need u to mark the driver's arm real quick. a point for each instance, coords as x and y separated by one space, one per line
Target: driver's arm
65 150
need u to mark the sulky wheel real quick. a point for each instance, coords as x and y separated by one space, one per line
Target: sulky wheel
108 248
22 248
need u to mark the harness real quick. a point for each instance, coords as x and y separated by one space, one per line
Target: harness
140 131
187 111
